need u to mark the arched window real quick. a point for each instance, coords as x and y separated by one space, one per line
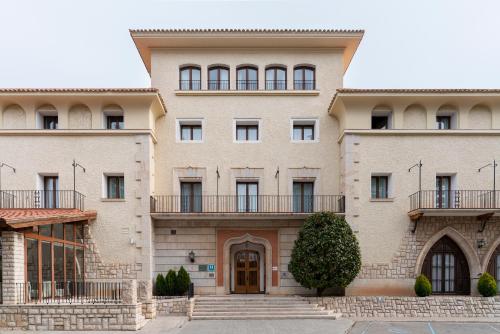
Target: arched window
304 78
218 78
276 78
190 78
494 266
446 267
247 78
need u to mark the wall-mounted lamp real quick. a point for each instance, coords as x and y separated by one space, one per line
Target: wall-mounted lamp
191 256
480 243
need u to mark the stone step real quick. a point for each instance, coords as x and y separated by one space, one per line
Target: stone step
267 307
276 312
265 317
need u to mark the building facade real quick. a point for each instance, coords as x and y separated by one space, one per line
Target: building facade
244 135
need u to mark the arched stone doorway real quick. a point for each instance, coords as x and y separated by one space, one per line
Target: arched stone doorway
494 266
247 268
446 267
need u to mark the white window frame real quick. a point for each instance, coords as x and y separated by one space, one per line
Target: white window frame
247 121
41 113
105 187
305 121
390 188
380 112
189 121
453 119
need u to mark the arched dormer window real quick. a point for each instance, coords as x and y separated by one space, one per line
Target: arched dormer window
304 78
247 78
218 78
190 78
276 78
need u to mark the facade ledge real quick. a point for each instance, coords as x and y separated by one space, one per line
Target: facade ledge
234 216
78 132
113 200
382 199
420 132
418 213
247 92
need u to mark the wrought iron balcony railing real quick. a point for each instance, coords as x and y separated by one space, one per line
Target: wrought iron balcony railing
41 199
247 204
275 84
455 199
304 84
247 84
218 84
190 84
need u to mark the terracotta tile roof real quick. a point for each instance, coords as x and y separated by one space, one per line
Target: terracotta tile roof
20 218
83 90
266 31
413 91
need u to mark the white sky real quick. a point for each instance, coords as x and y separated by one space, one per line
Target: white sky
408 43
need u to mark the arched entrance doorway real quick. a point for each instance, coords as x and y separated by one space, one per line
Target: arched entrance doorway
247 268
494 266
446 267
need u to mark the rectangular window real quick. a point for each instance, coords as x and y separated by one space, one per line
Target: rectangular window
247 132
380 122
51 192
380 185
303 196
247 196
114 122
443 122
50 122
443 189
191 132
32 268
191 197
304 130
115 187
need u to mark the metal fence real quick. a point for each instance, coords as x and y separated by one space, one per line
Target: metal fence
41 199
247 204
455 199
69 292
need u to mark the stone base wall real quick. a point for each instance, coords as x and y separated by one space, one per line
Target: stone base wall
175 306
412 307
84 317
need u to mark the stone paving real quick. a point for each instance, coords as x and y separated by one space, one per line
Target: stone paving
424 327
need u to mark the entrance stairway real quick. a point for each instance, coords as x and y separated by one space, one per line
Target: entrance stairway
246 307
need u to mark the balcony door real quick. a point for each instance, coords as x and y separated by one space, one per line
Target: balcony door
303 196
247 195
191 199
50 191
443 190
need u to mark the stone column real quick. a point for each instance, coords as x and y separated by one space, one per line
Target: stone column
145 296
12 266
129 292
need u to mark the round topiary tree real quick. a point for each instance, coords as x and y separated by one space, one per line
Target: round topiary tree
182 281
160 285
326 253
170 283
487 285
423 287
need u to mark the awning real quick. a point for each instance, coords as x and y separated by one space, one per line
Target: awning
22 218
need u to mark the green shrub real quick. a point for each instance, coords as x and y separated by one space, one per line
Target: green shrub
487 285
326 253
423 287
160 285
170 283
182 281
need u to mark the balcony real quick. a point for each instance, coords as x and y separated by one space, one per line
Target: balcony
218 84
275 84
245 205
478 203
247 84
304 84
189 84
41 199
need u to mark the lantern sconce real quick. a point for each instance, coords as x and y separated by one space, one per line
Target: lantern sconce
191 256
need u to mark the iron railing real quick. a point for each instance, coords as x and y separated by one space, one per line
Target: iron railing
275 84
41 199
69 292
304 84
247 204
218 84
247 84
455 199
190 84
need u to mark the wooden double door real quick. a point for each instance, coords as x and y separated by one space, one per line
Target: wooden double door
246 272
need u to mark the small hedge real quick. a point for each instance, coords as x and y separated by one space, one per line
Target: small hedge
487 285
173 283
423 287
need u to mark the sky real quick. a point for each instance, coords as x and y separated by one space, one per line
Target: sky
407 43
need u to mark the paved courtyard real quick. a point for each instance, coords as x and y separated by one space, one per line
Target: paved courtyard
424 327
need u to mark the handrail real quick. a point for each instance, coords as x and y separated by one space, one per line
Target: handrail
41 199
455 199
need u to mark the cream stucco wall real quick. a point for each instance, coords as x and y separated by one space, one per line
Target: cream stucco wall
274 112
